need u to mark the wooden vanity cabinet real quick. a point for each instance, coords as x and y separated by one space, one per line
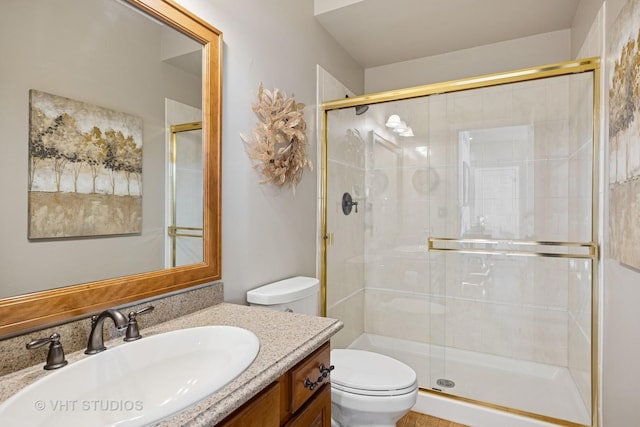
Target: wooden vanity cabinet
258 412
317 412
302 406
287 402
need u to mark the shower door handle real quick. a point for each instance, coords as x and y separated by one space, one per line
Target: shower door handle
328 238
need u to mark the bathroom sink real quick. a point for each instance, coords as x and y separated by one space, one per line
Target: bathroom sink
135 383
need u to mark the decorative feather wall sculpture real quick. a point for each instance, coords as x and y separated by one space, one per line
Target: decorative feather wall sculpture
278 143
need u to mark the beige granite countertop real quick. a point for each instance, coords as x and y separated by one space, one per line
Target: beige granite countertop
285 339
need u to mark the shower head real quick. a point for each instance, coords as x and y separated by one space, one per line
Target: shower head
360 109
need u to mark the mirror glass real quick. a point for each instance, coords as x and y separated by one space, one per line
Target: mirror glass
87 87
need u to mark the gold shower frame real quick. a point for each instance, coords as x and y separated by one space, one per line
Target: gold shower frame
590 249
174 230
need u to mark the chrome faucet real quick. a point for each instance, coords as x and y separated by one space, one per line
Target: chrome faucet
96 339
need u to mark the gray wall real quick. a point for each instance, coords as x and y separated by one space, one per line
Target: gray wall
620 286
620 318
268 233
488 59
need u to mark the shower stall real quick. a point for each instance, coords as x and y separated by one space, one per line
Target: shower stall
459 235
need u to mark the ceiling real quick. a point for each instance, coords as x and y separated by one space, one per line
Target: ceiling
380 32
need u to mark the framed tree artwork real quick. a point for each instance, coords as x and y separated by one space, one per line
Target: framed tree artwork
85 169
624 136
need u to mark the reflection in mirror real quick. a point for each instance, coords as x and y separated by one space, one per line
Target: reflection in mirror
185 229
383 175
496 182
106 80
386 160
131 57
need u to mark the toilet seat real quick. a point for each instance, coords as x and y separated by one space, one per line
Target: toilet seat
371 374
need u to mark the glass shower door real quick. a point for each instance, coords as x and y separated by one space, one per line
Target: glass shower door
511 247
472 255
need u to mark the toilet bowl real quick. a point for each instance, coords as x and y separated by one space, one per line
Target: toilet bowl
370 389
367 389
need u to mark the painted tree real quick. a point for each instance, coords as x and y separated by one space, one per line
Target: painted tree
621 93
40 148
94 153
131 161
65 140
113 162
75 156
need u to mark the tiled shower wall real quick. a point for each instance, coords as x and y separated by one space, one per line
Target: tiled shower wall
345 266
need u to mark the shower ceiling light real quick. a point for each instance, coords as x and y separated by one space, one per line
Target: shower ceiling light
402 127
407 132
423 150
398 126
393 121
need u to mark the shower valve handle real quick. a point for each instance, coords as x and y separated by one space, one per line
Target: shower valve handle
348 204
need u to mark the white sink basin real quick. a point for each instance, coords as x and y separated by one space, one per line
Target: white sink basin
136 383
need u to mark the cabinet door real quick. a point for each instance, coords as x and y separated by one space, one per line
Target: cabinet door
259 412
317 411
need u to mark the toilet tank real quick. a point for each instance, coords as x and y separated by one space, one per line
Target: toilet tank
298 294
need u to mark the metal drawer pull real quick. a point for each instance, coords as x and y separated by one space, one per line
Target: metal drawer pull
324 373
309 384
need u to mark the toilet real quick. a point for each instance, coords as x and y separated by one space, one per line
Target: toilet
367 389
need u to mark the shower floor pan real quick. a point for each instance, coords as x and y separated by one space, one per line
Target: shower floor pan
526 386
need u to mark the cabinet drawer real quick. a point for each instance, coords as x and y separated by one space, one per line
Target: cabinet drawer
317 413
309 371
258 412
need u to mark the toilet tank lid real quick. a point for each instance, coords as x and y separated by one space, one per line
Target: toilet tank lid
283 291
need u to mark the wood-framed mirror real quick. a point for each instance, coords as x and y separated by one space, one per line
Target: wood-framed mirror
79 41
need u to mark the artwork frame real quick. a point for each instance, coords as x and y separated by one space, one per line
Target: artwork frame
624 136
85 169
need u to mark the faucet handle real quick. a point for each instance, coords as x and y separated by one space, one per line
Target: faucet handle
143 310
55 357
133 333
